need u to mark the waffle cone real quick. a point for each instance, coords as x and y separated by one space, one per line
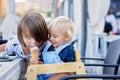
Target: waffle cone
34 53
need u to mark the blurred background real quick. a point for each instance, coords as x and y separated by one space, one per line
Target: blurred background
88 17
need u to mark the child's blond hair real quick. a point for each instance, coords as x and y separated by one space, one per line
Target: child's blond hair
65 24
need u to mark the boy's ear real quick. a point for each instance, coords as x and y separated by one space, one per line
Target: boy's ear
67 38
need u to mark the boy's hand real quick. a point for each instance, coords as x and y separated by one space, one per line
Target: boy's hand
33 62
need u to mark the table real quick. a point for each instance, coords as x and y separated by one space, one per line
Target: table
104 40
13 70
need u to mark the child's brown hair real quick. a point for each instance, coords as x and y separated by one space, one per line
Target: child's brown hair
36 25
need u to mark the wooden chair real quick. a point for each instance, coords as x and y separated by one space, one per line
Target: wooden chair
78 67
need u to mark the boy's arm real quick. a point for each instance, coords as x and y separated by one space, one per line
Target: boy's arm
2 47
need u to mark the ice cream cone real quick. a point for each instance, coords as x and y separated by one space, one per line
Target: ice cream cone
34 53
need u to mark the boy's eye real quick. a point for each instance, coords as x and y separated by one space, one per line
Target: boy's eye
55 36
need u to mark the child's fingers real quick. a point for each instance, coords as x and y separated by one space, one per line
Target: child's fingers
34 62
40 62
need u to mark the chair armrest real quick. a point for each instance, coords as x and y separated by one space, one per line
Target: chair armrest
99 76
85 58
103 65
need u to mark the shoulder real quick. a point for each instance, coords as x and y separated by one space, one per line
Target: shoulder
46 47
67 54
68 49
111 16
13 39
51 48
13 43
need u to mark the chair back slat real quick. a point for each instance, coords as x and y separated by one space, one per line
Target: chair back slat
77 55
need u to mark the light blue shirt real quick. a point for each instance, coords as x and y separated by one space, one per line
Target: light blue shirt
13 46
50 57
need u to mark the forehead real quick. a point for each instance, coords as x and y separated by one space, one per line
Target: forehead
57 27
57 31
25 30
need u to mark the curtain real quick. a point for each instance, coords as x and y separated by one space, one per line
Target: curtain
10 22
97 9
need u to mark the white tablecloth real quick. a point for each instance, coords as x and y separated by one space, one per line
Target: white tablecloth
12 70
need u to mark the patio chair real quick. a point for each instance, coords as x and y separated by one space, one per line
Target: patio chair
92 76
111 61
111 66
78 67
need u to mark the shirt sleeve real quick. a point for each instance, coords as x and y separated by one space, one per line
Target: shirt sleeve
67 54
13 47
9 46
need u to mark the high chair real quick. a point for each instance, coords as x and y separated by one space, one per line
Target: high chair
78 67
